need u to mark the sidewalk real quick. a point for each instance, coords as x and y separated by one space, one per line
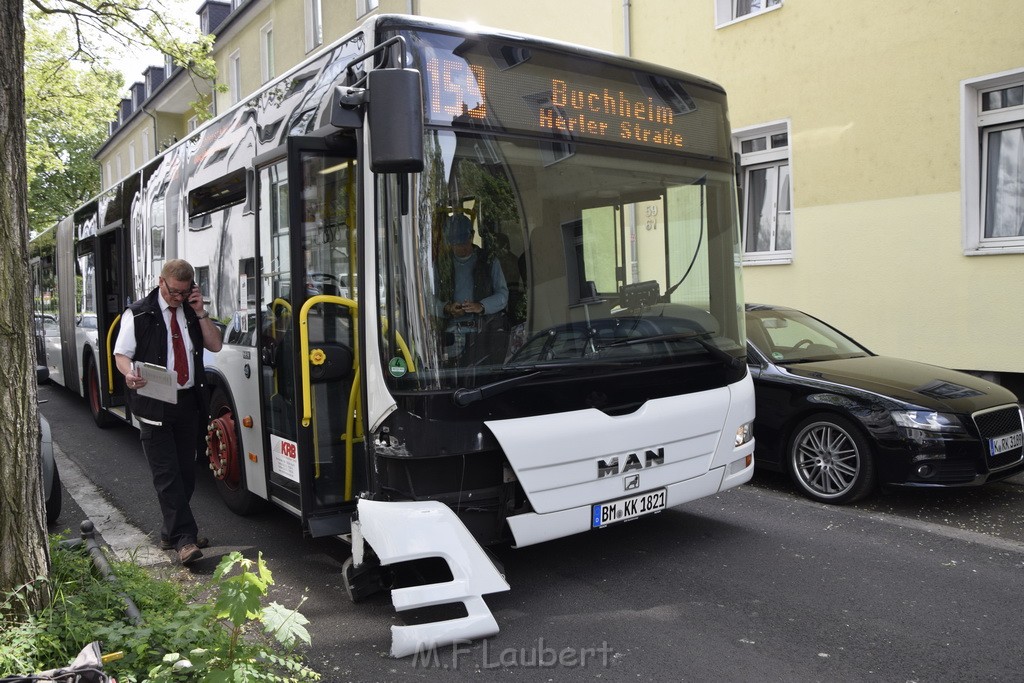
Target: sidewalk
127 542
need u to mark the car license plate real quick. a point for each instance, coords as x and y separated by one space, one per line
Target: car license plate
627 508
1006 442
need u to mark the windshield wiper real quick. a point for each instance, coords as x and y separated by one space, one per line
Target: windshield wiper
734 362
465 397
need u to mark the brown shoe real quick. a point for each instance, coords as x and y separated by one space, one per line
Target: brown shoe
201 542
189 553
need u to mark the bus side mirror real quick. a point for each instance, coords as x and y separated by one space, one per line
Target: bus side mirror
395 117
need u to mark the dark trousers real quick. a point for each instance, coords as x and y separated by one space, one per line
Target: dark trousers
170 449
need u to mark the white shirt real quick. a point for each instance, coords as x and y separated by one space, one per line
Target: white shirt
125 344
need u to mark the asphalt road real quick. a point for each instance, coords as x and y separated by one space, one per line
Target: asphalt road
753 584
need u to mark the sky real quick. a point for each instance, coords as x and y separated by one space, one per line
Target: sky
135 61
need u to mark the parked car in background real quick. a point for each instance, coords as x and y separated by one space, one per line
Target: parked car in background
52 494
841 420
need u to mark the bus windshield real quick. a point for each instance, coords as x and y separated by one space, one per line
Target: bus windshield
568 244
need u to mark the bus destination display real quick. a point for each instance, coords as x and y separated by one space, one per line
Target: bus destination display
630 107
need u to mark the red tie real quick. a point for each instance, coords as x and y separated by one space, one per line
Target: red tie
178 344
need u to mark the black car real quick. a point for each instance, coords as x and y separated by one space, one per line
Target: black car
841 420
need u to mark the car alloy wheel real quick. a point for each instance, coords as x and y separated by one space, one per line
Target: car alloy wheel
830 460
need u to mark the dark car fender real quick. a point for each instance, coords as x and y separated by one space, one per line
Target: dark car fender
783 402
46 454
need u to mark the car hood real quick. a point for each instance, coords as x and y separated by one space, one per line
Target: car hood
927 386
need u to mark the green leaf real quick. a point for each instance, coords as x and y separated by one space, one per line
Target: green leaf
288 626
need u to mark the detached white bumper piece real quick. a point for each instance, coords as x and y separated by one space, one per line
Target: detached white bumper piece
399 532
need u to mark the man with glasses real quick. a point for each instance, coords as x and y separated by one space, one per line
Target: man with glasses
170 328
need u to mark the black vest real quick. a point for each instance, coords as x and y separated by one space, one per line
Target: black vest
151 347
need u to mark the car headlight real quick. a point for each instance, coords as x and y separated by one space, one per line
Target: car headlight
928 421
744 433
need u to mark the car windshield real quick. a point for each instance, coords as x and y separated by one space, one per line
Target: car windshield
788 336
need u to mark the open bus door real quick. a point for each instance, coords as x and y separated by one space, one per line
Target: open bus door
106 271
308 317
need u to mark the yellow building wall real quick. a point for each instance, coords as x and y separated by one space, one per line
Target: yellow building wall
872 93
594 23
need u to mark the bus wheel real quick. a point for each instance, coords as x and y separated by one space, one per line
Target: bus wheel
224 451
100 416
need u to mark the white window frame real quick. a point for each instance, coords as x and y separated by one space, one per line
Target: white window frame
235 76
131 156
314 24
120 169
193 123
110 175
145 146
267 51
725 11
365 7
975 126
768 158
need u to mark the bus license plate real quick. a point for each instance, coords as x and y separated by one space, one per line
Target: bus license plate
627 508
1006 442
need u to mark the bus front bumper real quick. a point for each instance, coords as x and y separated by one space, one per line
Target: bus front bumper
405 531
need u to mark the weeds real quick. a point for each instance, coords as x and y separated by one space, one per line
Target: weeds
199 633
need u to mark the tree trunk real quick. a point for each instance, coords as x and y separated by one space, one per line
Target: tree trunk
24 549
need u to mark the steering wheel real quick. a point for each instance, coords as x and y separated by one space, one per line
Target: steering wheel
802 343
323 276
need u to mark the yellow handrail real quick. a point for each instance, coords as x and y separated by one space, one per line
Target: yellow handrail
353 428
307 400
110 355
350 438
402 346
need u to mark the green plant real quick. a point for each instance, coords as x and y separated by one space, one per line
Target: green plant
211 623
238 604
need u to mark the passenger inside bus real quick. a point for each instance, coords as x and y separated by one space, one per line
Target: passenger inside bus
471 296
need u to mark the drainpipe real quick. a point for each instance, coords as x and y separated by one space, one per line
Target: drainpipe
156 141
626 50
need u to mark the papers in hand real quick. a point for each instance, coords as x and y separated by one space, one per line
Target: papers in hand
161 383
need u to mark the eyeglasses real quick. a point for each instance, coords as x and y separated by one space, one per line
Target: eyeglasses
175 292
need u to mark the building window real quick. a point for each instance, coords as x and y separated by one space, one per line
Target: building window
267 51
131 156
110 176
728 11
766 195
314 25
145 146
235 76
993 164
120 170
365 7
193 123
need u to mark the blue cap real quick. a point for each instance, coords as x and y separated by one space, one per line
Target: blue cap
458 229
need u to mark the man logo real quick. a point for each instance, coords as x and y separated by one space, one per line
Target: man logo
610 468
632 482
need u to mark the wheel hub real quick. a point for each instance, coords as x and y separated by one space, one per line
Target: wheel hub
222 449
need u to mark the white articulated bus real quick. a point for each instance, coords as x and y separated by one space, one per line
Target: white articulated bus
612 385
